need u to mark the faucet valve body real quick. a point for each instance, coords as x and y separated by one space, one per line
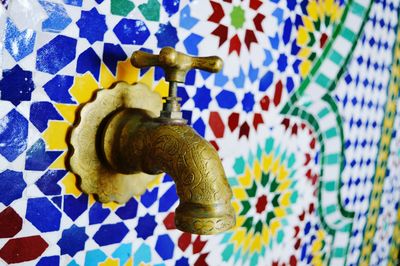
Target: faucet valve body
155 147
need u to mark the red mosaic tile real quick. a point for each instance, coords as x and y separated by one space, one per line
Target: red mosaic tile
265 103
286 123
278 93
201 261
261 204
323 40
255 4
257 120
244 130
294 129
198 245
10 223
184 241
235 44
258 19
218 13
215 145
233 121
216 124
23 249
169 221
249 38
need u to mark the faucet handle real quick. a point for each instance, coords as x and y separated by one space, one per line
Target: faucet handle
176 64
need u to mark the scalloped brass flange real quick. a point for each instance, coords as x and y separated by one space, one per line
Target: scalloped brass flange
86 161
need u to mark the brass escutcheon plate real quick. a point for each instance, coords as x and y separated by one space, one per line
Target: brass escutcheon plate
96 177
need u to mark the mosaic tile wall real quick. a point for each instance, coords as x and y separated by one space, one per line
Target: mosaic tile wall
304 116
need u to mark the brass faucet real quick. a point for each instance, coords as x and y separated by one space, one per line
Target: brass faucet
131 141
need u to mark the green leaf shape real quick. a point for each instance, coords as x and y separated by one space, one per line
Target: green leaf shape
151 10
121 7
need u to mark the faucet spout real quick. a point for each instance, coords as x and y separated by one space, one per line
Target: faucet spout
152 146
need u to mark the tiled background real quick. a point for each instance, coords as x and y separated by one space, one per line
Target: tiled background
304 116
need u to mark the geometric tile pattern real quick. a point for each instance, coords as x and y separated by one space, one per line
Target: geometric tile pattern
308 95
387 235
382 158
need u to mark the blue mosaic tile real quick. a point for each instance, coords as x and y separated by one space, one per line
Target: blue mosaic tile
57 201
226 99
142 254
239 80
19 44
146 226
167 178
282 62
73 2
74 207
110 234
253 73
149 197
274 41
191 43
13 135
131 31
186 20
187 115
97 214
56 54
94 257
57 89
202 98
41 113
248 102
295 66
200 126
166 36
128 211
190 77
72 240
43 214
112 54
49 261
12 185
58 18
266 81
165 247
289 84
159 73
37 158
183 95
168 199
287 31
73 263
89 61
221 79
171 6
92 25
16 85
182 262
268 58
123 253
48 182
278 14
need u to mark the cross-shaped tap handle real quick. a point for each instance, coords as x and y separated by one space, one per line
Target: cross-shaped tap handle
176 64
